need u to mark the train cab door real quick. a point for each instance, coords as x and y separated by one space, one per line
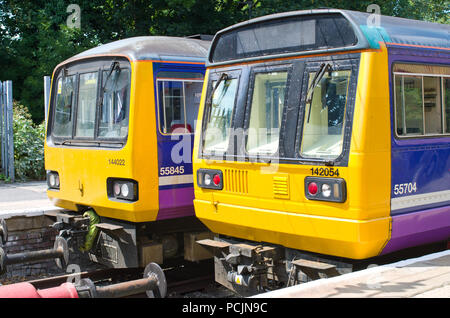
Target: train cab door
178 88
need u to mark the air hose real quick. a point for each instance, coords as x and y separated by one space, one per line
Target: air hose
92 230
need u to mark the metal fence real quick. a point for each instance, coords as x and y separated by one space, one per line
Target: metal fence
6 130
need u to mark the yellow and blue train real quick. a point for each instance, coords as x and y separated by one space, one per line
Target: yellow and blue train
118 146
323 138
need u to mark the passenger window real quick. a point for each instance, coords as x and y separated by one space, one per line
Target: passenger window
269 95
65 99
421 99
447 104
410 121
178 101
324 118
432 105
87 105
114 110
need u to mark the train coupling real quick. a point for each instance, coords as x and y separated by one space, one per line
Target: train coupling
59 252
154 284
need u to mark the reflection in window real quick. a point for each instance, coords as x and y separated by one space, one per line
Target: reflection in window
266 111
323 126
86 105
421 101
410 102
65 99
219 114
114 111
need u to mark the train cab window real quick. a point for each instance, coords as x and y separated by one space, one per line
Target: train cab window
218 115
268 100
178 101
87 100
64 106
323 126
115 107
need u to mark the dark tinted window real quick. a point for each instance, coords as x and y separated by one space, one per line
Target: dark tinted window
288 35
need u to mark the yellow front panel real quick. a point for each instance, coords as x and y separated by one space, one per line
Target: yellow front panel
268 203
83 171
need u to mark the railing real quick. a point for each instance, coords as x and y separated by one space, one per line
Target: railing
6 130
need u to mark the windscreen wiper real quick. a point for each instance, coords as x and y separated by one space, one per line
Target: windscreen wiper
223 76
316 80
113 66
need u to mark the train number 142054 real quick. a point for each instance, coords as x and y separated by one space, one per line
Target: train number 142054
405 188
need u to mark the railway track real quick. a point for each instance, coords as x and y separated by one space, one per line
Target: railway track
181 278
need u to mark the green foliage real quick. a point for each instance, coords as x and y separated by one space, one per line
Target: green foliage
34 37
28 145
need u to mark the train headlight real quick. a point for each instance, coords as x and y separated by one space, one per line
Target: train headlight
325 189
122 189
53 180
210 179
207 179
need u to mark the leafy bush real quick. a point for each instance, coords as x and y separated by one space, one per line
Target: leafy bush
28 145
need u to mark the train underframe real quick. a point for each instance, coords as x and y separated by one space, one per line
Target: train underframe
120 244
250 268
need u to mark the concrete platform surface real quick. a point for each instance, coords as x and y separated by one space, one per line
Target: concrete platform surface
28 198
424 277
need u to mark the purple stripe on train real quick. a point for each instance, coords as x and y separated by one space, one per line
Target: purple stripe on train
419 228
175 203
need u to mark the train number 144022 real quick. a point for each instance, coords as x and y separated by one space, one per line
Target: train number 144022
405 188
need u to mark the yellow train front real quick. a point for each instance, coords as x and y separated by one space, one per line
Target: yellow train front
322 140
119 142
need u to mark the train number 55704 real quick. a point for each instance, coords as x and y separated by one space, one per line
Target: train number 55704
405 188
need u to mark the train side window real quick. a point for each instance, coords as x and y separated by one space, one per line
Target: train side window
87 101
268 100
114 110
409 103
65 100
432 105
446 86
421 100
178 101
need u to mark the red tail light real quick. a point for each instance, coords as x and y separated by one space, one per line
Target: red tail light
313 188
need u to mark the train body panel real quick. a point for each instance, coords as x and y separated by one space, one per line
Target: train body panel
420 192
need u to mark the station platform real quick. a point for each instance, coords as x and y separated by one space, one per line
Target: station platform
28 198
424 277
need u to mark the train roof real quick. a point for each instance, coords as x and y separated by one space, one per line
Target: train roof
390 30
159 48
